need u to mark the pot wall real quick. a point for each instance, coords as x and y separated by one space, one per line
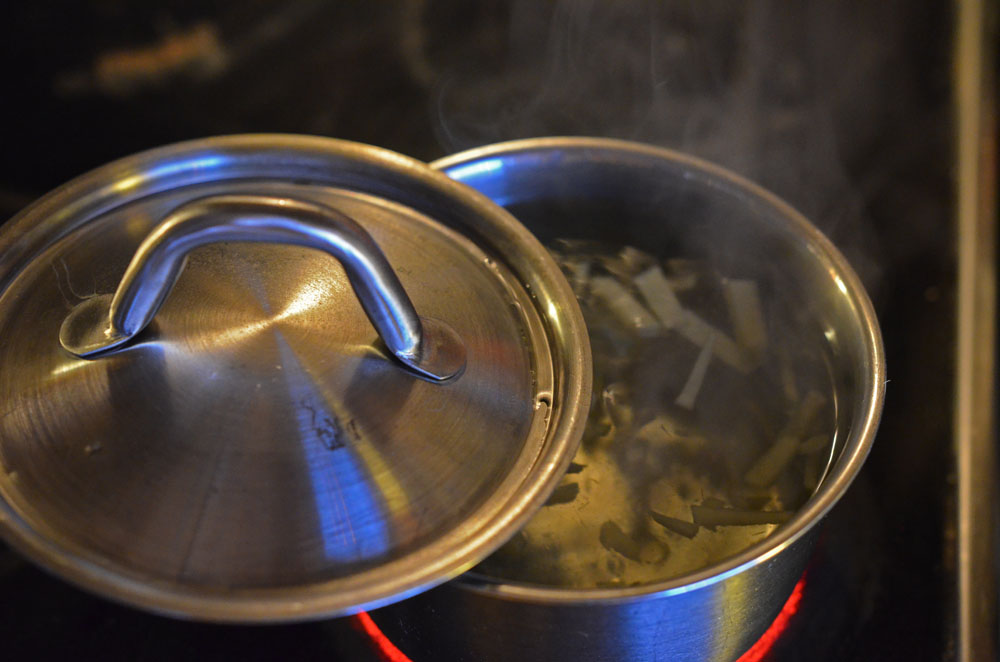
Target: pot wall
715 623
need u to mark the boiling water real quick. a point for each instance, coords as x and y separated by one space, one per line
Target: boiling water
712 421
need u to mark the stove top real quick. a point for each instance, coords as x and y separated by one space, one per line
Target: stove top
842 108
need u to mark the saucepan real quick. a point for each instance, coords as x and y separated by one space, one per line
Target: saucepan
738 383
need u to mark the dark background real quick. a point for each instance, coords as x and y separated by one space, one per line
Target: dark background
841 107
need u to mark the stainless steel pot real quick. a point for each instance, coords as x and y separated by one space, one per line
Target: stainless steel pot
672 205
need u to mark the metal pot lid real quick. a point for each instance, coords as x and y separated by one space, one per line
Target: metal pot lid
263 378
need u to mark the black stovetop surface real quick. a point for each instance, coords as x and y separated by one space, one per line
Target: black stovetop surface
840 107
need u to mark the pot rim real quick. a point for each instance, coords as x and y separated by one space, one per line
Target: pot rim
858 443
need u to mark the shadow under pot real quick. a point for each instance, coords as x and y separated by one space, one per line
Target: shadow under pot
738 384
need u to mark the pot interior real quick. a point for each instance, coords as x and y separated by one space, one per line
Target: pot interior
682 476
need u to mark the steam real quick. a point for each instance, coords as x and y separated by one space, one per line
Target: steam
779 92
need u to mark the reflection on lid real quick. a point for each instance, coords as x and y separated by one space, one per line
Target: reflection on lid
341 491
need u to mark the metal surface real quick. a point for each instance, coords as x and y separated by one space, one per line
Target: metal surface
713 621
103 322
671 205
975 435
254 455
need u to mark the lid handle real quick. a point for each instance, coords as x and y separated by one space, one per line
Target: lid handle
426 346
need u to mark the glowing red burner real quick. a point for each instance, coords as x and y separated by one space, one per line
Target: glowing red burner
760 649
388 652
